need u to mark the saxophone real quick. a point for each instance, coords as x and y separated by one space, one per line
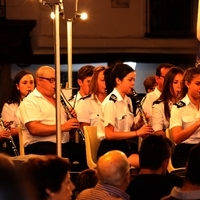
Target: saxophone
10 139
64 104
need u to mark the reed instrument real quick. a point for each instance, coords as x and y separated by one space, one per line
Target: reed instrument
67 106
10 139
139 106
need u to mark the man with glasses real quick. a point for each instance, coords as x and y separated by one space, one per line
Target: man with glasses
37 113
161 71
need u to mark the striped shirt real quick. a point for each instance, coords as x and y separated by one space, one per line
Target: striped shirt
103 191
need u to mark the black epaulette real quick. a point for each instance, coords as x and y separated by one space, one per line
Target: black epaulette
113 98
85 97
72 97
157 101
179 104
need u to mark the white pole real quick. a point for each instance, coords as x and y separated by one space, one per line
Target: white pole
57 70
69 51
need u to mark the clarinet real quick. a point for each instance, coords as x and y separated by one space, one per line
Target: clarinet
64 104
10 139
139 105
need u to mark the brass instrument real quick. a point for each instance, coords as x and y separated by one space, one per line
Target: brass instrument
66 107
10 139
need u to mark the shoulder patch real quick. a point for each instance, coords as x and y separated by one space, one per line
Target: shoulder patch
85 97
180 104
113 98
157 101
72 97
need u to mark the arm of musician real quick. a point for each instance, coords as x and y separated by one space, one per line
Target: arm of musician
179 134
140 122
110 134
158 121
38 129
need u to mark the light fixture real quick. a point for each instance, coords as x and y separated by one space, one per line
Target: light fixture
82 16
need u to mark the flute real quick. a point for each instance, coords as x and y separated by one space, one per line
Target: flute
64 103
10 139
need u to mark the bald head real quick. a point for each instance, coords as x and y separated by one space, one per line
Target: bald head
43 70
112 168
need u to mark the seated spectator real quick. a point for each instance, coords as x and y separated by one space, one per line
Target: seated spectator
191 186
114 176
150 84
85 179
9 181
48 177
152 181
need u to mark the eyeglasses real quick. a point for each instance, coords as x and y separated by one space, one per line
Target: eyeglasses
51 80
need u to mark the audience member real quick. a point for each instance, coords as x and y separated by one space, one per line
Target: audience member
191 186
185 117
10 185
169 96
152 181
84 77
22 85
150 84
89 111
85 179
37 114
113 175
118 114
161 72
47 178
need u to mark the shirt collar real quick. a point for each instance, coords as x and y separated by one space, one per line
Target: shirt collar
157 92
118 95
186 100
112 190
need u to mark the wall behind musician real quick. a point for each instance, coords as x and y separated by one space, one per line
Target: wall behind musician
118 115
37 113
23 84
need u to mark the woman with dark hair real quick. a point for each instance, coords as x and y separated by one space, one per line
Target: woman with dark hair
185 117
118 115
169 96
22 85
47 178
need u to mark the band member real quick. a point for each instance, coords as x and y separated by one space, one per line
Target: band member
162 106
22 85
161 72
37 114
118 113
84 78
185 117
89 111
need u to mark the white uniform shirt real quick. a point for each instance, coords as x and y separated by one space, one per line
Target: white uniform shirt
158 120
89 111
35 107
75 100
148 102
9 114
119 113
185 115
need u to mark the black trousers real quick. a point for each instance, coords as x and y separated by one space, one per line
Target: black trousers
72 151
125 146
181 154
